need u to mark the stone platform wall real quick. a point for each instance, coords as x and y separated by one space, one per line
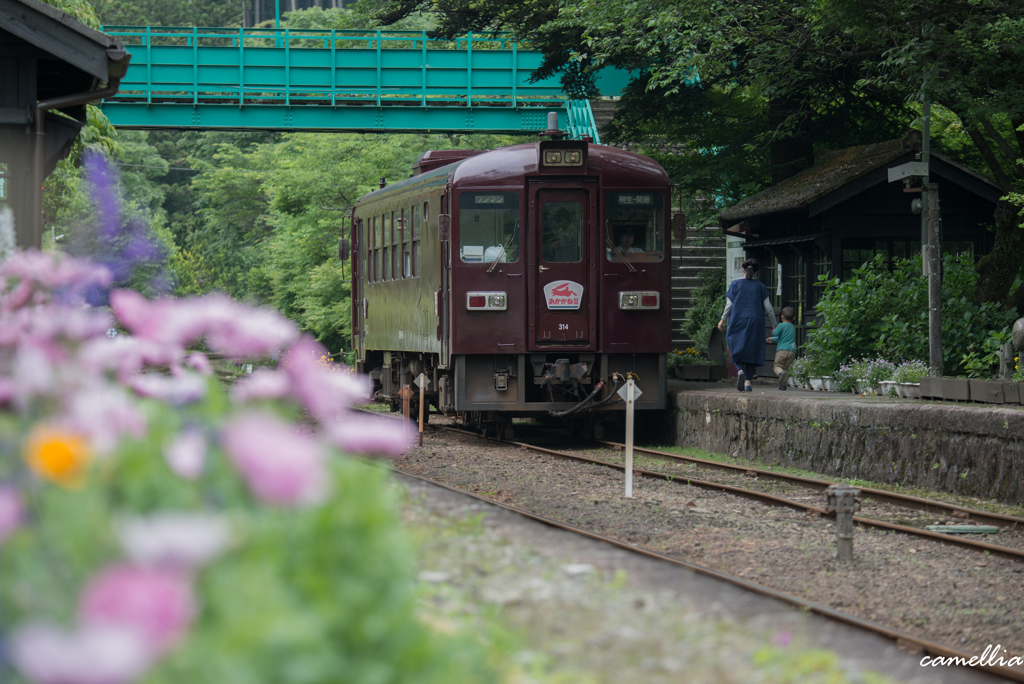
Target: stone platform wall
974 451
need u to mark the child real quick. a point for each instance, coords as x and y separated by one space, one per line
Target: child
785 352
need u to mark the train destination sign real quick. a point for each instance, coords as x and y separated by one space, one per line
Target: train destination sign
563 294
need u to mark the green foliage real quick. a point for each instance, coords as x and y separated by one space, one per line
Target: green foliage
690 355
910 371
315 594
886 314
706 305
169 12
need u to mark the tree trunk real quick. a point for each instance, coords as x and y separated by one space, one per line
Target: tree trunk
998 269
793 153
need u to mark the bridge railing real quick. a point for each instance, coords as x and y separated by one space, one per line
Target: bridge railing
196 65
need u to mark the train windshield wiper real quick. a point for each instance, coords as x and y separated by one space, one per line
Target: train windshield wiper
515 229
618 251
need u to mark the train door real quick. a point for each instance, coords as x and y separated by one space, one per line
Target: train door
564 304
358 258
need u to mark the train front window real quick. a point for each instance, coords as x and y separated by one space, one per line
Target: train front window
634 226
488 227
562 231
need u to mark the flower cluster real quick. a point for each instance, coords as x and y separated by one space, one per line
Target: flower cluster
76 400
687 356
910 371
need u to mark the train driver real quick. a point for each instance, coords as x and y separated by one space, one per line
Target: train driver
625 245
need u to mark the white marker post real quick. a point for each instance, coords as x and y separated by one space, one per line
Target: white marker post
422 382
630 392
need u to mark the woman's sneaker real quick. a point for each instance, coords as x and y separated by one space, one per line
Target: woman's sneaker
740 381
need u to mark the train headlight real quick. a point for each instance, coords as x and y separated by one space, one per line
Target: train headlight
486 301
638 301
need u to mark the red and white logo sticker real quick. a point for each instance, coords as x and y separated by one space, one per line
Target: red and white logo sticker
563 294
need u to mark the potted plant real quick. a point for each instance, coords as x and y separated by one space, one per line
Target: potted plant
689 364
908 378
798 372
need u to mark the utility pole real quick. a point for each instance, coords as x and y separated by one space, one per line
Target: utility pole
931 249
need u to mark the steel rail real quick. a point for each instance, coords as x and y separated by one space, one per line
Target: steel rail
769 499
929 648
882 496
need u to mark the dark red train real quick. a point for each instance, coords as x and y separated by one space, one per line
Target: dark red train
524 281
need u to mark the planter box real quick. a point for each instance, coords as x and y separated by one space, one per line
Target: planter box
1011 392
909 390
864 388
987 392
930 388
816 383
885 385
830 384
952 389
693 371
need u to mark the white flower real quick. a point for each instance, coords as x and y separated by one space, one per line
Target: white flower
177 540
94 654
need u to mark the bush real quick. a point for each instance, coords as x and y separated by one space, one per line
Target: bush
706 305
878 313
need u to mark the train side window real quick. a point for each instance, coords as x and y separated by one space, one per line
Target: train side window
488 227
406 244
378 231
635 226
426 211
373 249
416 240
386 241
361 237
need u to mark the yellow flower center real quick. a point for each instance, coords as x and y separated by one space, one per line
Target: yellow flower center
57 455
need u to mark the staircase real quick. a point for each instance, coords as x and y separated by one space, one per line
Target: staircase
703 250
604 111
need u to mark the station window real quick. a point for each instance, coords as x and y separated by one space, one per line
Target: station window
488 227
415 229
635 226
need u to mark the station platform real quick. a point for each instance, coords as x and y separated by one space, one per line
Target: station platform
974 450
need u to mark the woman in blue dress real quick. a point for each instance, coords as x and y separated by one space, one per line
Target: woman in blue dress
746 306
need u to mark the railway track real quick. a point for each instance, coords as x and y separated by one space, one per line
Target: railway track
913 503
903 639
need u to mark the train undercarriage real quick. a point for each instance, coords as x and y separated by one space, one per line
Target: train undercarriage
486 392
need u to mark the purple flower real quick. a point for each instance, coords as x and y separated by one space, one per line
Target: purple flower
280 466
180 541
323 392
12 511
99 654
187 454
782 638
369 435
155 603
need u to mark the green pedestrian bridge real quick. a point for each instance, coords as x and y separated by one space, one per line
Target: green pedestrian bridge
331 80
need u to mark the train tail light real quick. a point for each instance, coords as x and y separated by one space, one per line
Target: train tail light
486 301
636 301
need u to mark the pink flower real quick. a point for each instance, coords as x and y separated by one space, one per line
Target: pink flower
8 391
182 541
369 435
279 466
104 413
229 327
100 654
11 511
782 638
177 391
263 384
39 274
155 603
199 362
126 356
186 455
322 392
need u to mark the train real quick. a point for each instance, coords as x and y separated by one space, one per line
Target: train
526 281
